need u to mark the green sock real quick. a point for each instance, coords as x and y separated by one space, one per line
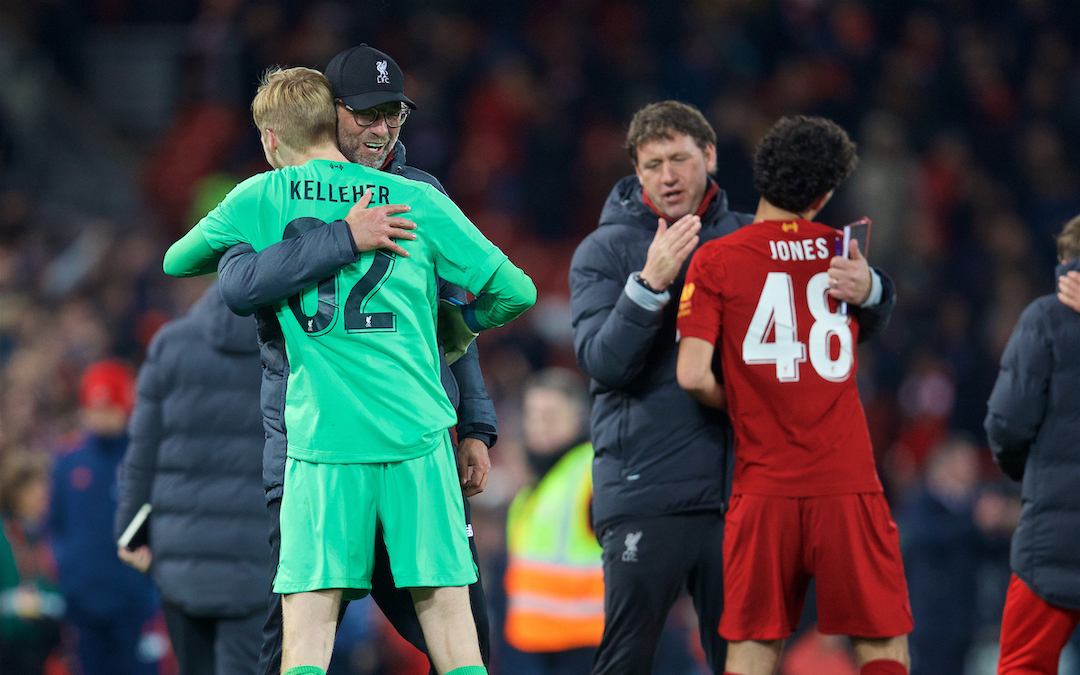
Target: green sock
464 670
305 670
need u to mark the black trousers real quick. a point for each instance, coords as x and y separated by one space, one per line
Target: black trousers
396 603
213 645
647 562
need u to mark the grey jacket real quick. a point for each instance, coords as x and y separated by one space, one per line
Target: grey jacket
196 438
252 282
658 451
1033 425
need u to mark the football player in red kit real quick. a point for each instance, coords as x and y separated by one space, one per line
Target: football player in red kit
806 500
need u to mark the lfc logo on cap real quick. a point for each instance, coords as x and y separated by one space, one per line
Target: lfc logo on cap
384 77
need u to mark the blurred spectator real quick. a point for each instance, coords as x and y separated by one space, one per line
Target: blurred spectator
950 526
30 604
1033 425
196 456
883 185
554 578
107 602
926 399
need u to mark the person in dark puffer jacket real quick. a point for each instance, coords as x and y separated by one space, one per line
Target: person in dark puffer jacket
195 456
1033 425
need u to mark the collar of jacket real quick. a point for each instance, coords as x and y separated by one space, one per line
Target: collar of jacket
1067 266
706 201
395 160
626 206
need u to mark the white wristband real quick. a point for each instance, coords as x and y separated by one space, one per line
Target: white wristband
642 296
876 289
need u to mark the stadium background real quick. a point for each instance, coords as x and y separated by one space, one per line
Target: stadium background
122 121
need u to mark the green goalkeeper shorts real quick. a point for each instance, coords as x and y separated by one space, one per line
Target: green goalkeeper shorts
329 514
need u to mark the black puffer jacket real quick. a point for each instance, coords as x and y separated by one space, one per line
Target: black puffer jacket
658 451
195 451
1033 425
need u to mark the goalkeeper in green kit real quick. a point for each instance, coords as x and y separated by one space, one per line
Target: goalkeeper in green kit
364 411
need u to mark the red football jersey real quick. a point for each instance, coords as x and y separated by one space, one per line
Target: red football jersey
788 357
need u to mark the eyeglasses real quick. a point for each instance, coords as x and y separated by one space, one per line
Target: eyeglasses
368 116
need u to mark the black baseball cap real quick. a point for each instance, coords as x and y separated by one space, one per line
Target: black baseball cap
363 77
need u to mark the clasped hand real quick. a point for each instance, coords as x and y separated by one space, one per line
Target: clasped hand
849 278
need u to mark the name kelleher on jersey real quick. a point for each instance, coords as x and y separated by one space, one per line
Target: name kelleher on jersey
317 191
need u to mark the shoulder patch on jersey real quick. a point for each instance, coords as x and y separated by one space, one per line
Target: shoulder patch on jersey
684 299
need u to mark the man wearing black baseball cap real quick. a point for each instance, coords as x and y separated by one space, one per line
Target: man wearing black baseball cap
371 106
369 91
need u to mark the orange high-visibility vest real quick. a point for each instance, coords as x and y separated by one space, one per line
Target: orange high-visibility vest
554 577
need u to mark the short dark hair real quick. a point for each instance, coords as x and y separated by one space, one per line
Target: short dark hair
801 159
1068 242
663 120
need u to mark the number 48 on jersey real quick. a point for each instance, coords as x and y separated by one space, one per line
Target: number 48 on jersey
776 315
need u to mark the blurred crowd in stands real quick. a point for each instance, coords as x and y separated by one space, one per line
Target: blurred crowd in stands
123 121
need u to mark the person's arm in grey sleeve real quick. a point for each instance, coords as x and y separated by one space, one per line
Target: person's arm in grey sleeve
249 280
613 332
874 314
1018 402
146 429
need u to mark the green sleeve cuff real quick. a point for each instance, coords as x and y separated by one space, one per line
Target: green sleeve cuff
505 297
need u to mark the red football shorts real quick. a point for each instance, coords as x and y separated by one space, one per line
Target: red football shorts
849 543
1033 632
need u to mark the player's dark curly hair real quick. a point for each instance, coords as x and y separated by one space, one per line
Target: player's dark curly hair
801 159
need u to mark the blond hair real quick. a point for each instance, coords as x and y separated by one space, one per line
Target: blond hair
297 104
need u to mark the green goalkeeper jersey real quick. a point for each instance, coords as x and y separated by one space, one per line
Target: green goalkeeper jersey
363 383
